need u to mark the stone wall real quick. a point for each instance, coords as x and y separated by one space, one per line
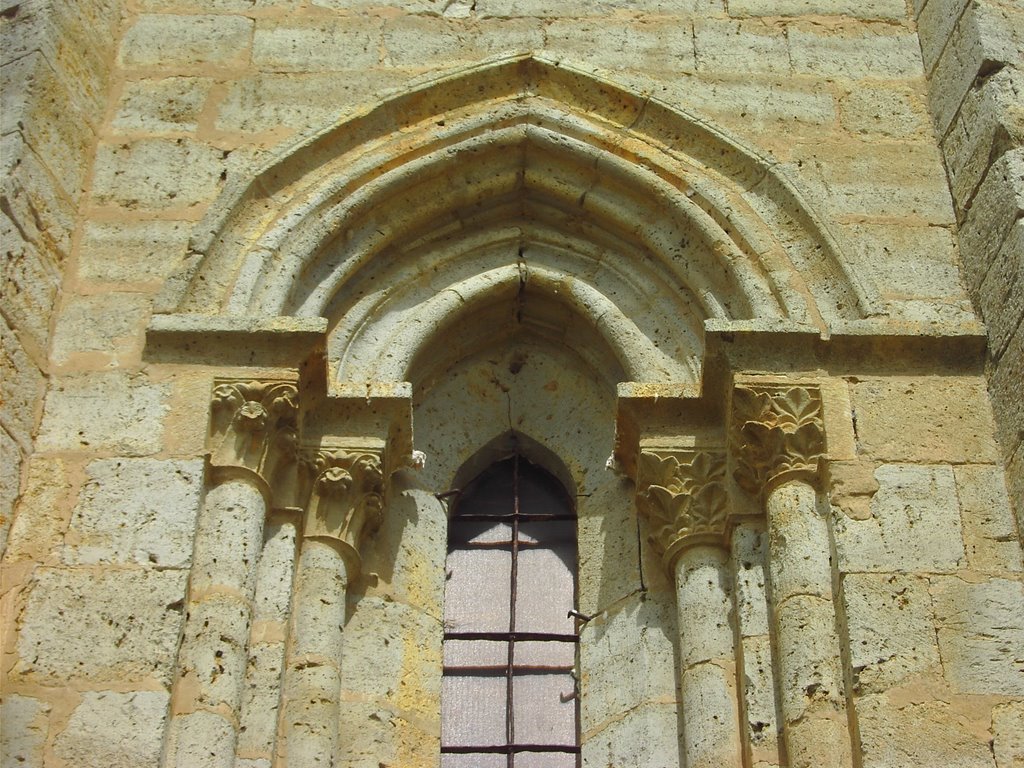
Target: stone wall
56 69
185 103
972 56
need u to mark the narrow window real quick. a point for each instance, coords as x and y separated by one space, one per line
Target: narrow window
509 691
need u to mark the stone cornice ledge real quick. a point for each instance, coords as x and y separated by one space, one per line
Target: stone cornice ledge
234 340
880 345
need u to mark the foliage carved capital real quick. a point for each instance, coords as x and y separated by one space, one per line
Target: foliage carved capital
777 434
346 498
253 426
682 493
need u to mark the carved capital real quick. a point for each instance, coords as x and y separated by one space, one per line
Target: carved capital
777 434
683 495
253 425
346 498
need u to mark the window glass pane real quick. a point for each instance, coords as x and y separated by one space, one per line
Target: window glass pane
545 589
474 761
477 594
479 654
540 493
548 654
545 709
545 760
469 532
473 710
549 533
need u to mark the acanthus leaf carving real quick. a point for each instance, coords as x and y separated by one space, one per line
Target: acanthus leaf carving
777 433
254 425
683 495
346 497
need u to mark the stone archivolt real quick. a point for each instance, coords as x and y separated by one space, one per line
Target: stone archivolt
529 179
684 496
777 434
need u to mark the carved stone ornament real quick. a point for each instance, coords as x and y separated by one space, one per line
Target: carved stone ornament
346 497
253 424
777 434
683 494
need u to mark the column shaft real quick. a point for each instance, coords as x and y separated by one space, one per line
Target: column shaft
707 659
212 659
312 689
815 725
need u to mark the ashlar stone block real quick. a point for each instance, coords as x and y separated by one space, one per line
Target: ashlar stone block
342 42
158 173
100 626
110 324
113 411
925 419
914 523
136 511
162 105
981 634
131 252
114 730
178 41
990 536
617 44
916 734
724 46
862 51
1008 735
23 734
891 629
861 9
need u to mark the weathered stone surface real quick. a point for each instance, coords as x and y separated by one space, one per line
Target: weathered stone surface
981 634
347 43
616 45
132 252
1008 733
1001 294
895 112
119 730
162 105
172 41
870 9
990 536
625 667
997 205
1005 387
25 729
749 546
859 51
272 101
924 419
724 46
914 524
158 173
415 41
642 738
10 483
904 732
106 326
100 626
985 37
990 121
42 512
21 386
135 511
112 411
881 656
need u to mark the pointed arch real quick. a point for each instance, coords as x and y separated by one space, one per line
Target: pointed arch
641 220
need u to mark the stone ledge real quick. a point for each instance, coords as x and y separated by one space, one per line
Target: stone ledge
221 340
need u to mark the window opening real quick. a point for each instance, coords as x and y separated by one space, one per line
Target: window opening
509 687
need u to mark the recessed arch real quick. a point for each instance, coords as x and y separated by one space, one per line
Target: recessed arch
380 222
